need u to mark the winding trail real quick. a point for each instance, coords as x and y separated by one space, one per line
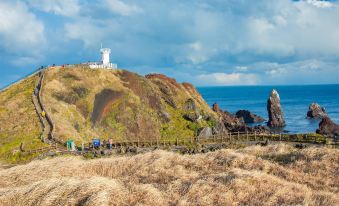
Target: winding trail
47 133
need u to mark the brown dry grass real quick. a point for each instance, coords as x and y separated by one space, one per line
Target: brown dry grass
273 175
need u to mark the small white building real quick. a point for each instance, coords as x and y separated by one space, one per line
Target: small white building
105 62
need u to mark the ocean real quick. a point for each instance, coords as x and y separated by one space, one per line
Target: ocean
294 100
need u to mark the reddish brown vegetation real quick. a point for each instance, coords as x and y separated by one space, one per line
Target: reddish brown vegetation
140 88
103 102
164 78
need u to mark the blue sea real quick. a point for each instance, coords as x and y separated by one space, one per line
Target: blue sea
294 100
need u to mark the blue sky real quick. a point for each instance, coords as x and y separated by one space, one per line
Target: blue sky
206 42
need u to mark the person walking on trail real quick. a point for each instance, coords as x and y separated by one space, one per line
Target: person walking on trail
43 114
110 141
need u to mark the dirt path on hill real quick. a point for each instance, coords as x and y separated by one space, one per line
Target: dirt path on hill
46 135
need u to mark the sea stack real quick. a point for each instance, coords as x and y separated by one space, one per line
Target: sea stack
275 113
248 117
328 127
315 111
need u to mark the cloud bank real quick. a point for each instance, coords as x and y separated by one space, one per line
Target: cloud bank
206 42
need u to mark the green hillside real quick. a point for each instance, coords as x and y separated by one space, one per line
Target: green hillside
84 104
19 122
119 104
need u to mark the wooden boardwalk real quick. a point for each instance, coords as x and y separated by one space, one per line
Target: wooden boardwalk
216 139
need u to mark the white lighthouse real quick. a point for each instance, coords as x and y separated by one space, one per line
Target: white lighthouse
105 62
105 55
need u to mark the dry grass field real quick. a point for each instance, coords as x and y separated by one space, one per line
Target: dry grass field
272 175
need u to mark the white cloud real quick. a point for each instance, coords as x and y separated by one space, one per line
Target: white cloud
220 42
67 8
241 68
122 8
227 79
85 30
20 31
320 3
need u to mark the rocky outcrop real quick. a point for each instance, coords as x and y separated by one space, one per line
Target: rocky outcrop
275 113
248 117
192 113
231 122
216 108
205 132
219 128
328 127
193 116
190 105
315 111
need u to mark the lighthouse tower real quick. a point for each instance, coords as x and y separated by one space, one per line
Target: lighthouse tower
105 62
105 56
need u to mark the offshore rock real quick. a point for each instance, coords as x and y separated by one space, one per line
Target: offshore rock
230 122
315 111
328 127
275 113
248 117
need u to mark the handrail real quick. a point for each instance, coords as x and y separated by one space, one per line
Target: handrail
211 139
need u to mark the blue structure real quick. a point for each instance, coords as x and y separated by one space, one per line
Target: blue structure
96 143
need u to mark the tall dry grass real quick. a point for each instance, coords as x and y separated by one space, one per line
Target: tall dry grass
273 175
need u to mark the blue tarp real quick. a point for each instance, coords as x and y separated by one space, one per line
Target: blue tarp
96 142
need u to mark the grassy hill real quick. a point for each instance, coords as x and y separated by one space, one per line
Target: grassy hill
19 122
119 104
85 104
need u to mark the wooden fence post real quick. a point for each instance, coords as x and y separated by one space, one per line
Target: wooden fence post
255 136
238 136
247 136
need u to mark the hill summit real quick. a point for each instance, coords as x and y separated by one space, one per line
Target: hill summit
86 103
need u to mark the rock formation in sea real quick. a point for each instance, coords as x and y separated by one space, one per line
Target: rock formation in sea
275 113
315 111
248 117
328 127
234 124
229 120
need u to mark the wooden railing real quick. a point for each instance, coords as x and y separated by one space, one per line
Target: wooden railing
238 137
